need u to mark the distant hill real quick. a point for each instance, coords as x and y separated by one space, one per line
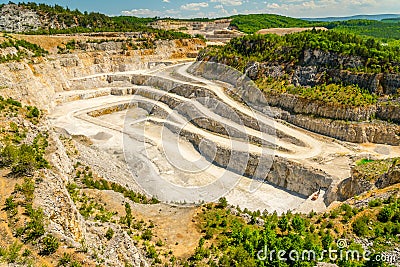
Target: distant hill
255 22
356 17
385 26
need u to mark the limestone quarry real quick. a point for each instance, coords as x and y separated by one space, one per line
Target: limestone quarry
89 93
163 125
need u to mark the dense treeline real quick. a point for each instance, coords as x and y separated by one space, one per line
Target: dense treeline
377 29
255 22
290 48
386 29
74 21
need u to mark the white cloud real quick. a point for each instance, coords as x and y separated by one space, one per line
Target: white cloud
228 2
142 12
273 6
194 6
165 1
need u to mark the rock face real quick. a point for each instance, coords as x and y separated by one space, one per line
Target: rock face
44 78
18 19
356 132
390 178
318 67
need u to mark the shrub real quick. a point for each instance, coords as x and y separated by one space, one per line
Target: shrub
51 245
152 252
23 160
10 204
128 212
109 233
298 223
13 252
33 112
147 234
375 203
283 223
360 226
35 227
222 203
385 214
64 260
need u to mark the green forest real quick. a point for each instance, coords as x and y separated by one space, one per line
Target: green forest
289 49
253 23
228 240
388 29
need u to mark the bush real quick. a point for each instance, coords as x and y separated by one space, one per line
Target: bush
360 226
109 233
375 203
24 159
13 252
222 203
147 234
298 223
35 227
10 204
33 112
51 245
385 214
283 223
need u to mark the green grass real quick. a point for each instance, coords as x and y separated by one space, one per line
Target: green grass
371 170
364 161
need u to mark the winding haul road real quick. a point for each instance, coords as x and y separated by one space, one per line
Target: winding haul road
149 126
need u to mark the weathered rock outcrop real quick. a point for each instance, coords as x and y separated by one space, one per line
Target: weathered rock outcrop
356 132
18 19
43 78
358 184
68 225
318 67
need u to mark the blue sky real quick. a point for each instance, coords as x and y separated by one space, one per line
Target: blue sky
220 8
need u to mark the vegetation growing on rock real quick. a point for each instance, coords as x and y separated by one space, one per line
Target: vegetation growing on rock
233 237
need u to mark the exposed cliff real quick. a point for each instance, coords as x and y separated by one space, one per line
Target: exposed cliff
318 67
44 77
18 19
